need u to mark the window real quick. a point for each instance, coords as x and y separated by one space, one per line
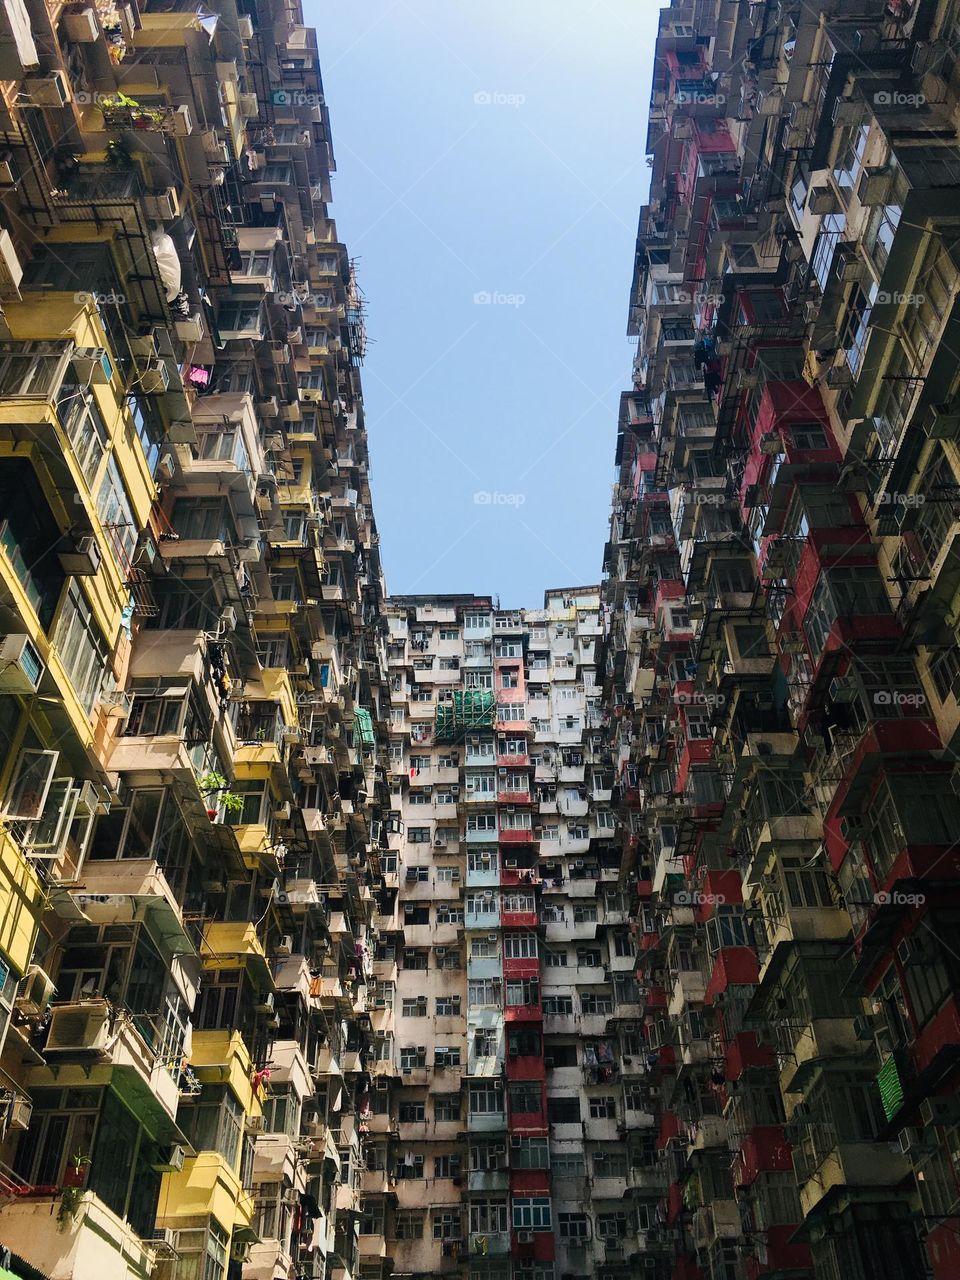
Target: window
563 1109
418 835
831 230
446 1224
809 436
87 432
482 822
408 1224
82 649
488 1216
561 1006
449 914
604 1108
926 974
448 875
568 1165
532 1213
523 992
214 1122
482 904
202 1251
533 1153
414 958
573 1226
519 902
411 1112
412 1058
525 1097
511 711
486 1098
240 317
415 1007
484 861
486 1157
446 1106
483 993
519 946
611 1226
481 783
609 1164
944 669
485 1042
448 1006
446 1056
519 821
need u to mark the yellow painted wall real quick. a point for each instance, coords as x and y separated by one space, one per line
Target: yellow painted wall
21 896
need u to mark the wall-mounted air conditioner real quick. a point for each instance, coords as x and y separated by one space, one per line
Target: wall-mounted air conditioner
21 667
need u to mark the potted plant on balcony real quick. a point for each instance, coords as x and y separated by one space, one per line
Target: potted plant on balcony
215 784
71 1192
75 1174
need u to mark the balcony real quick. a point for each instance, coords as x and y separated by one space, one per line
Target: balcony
89 1039
493 1244
94 1242
816 1044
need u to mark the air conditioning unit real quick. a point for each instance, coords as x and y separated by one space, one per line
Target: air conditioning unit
917 1141
248 104
153 379
943 1110
516 1141
34 993
823 200
182 121
84 558
245 27
770 442
285 945
524 1237
51 90
21 1111
82 27
849 111
265 1003
163 206
282 812
91 365
80 1028
876 186
171 1161
21 667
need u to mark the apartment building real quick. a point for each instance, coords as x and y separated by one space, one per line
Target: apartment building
192 666
514 1111
779 655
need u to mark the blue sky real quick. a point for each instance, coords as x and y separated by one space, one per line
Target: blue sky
490 169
